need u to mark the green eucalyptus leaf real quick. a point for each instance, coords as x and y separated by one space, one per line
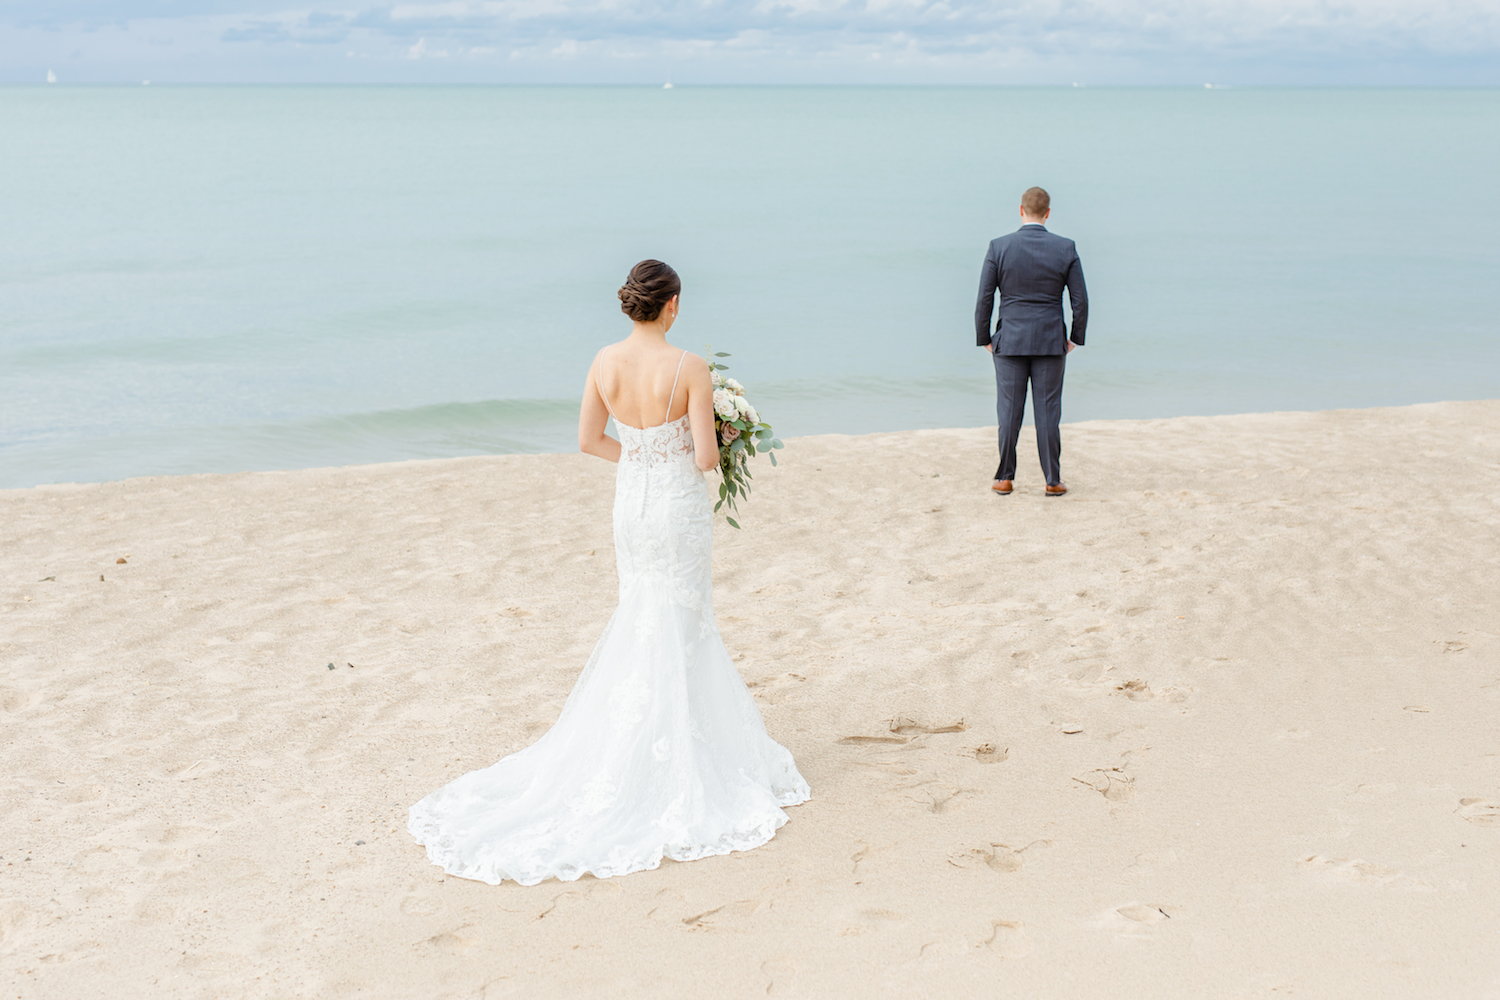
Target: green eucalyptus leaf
732 522
773 458
721 354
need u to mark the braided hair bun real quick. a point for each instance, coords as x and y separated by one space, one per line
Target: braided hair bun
648 289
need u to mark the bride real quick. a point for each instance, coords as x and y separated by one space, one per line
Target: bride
659 750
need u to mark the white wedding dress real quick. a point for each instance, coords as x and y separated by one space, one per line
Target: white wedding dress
659 750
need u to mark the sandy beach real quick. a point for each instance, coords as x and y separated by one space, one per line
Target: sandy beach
1221 722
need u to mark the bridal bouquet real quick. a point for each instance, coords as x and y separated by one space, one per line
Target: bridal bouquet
740 432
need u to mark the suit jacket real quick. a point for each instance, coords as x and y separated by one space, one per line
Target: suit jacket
1030 268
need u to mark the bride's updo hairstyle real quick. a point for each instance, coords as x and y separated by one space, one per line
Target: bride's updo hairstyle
648 289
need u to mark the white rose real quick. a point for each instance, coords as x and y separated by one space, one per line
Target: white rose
734 387
718 380
741 404
753 415
724 403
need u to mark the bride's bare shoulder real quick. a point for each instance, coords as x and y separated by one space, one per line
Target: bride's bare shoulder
618 351
694 364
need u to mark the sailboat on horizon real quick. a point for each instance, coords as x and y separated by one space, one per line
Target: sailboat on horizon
51 77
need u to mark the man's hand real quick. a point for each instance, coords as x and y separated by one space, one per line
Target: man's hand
990 347
1071 345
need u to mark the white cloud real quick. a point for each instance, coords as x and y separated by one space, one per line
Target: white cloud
420 51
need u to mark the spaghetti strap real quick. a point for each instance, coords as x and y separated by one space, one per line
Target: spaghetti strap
672 398
600 379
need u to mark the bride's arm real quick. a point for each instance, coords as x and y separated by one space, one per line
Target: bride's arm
700 399
593 417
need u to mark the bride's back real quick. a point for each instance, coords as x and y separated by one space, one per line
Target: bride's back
646 384
638 378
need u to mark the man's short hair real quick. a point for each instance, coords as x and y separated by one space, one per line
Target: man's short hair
1036 202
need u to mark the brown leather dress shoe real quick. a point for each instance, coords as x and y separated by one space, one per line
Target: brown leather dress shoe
1002 487
1058 490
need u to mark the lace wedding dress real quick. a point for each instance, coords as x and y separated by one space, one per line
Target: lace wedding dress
659 750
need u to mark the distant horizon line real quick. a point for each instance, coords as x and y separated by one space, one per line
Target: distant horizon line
44 84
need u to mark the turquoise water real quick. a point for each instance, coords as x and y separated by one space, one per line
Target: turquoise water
216 278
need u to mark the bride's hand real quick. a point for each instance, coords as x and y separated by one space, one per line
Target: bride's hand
700 399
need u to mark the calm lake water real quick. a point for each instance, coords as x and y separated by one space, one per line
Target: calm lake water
204 279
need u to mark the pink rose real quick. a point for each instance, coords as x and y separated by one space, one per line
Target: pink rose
729 432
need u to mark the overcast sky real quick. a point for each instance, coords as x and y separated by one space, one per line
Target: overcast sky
1095 42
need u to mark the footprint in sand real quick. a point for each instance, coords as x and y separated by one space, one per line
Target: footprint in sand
726 915
1000 858
1145 913
1008 939
904 731
667 903
882 762
454 942
1111 782
947 800
1137 690
1359 871
986 753
774 690
1481 812
1138 921
1347 870
903 726
781 976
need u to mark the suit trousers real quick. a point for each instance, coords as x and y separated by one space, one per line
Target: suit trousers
1045 373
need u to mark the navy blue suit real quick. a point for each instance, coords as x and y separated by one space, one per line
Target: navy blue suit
1030 268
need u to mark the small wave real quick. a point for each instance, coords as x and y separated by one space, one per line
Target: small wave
448 418
443 430
876 387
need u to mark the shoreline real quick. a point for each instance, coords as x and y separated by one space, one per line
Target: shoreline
1218 722
1026 431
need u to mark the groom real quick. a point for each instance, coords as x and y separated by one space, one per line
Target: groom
1030 268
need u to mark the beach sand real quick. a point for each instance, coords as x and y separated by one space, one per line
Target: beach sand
1222 722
